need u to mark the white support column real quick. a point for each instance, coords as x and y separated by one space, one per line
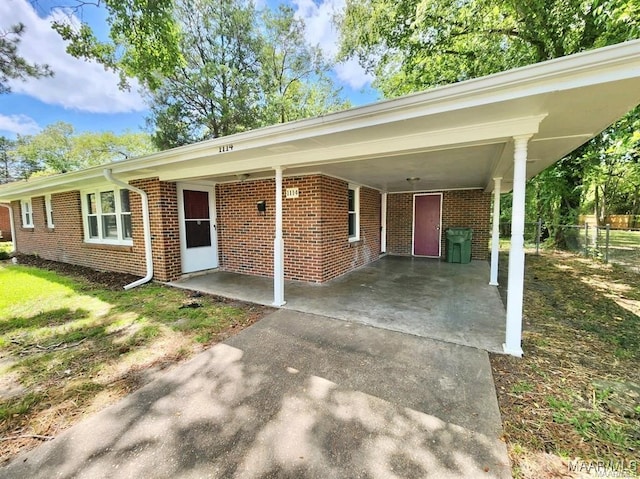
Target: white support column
383 223
278 246
515 287
495 238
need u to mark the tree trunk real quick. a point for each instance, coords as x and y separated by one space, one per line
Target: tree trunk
596 206
570 170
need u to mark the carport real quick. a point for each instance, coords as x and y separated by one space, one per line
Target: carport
491 133
420 296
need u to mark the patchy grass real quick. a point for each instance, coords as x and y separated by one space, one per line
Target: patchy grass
581 341
70 346
624 248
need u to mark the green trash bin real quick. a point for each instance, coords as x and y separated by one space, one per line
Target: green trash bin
459 245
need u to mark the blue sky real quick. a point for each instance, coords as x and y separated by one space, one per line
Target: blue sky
85 95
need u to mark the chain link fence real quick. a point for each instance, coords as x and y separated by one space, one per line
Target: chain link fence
601 242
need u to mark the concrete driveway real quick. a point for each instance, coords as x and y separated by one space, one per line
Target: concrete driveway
295 396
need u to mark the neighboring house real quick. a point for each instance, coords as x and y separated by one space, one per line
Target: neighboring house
313 199
5 225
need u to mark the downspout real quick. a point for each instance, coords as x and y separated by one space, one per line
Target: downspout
13 226
145 223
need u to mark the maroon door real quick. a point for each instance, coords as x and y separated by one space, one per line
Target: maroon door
426 225
197 223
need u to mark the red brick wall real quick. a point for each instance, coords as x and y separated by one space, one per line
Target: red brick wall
163 219
340 255
301 229
461 208
469 209
5 224
315 228
399 223
65 242
245 239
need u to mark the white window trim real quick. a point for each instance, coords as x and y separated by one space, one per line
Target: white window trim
356 205
49 210
26 207
85 217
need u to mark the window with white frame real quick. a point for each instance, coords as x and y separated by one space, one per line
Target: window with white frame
27 213
354 213
107 215
48 208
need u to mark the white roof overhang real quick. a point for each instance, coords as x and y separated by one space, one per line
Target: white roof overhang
455 136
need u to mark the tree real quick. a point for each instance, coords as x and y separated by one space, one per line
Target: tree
144 39
613 173
57 149
412 45
242 70
49 150
7 172
288 63
415 44
211 68
216 92
12 65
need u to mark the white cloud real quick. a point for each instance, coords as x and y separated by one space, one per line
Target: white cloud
77 84
18 124
353 74
320 30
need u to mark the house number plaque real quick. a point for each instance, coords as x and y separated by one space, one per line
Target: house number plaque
225 148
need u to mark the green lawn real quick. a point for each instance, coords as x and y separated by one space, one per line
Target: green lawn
68 347
624 245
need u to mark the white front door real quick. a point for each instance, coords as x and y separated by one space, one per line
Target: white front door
198 238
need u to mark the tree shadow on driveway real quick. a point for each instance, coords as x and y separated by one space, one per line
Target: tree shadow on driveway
228 414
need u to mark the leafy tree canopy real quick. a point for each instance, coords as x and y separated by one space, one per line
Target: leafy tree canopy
242 69
415 44
211 67
143 39
58 149
411 45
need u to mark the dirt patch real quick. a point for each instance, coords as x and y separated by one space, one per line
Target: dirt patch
580 332
107 279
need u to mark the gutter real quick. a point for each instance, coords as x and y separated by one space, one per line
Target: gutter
13 226
146 225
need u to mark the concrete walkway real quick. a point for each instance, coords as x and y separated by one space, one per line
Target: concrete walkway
420 296
295 396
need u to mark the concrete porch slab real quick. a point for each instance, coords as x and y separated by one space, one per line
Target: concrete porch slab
425 297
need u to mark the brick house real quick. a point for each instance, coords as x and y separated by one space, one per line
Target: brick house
313 199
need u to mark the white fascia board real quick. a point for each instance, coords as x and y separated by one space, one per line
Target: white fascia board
433 140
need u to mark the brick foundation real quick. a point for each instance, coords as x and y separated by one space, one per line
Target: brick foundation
461 208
